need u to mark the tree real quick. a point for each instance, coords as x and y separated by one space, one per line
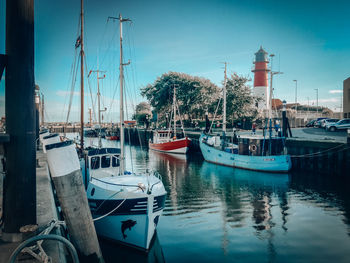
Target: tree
142 110
194 95
240 102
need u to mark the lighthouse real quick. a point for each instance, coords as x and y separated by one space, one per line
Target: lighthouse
260 70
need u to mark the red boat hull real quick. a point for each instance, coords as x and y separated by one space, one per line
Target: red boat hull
177 146
112 138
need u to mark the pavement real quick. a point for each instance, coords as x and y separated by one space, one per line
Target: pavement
46 211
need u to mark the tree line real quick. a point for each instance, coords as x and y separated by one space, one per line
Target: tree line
196 96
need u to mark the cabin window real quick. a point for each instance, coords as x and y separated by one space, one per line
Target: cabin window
95 162
105 161
115 161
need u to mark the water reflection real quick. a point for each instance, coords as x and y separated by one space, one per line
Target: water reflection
221 214
113 252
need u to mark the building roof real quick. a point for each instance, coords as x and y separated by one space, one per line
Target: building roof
277 104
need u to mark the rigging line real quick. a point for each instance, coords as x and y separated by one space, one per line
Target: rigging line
74 79
133 65
70 83
217 107
182 126
103 36
109 46
93 104
127 117
115 91
72 68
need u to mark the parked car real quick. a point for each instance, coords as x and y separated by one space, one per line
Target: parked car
340 125
318 122
327 121
311 123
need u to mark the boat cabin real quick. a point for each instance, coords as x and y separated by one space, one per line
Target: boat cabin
162 136
257 145
103 162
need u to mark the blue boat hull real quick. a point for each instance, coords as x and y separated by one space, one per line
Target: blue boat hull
272 163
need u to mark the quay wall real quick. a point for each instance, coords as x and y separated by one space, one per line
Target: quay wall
319 157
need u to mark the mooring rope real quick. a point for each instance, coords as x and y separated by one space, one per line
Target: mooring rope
321 152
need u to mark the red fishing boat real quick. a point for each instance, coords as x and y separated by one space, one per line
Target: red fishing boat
166 140
163 142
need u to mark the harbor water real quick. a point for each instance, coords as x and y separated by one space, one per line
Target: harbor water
221 214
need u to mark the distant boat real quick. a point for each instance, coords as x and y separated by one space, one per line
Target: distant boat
258 153
112 136
166 141
248 154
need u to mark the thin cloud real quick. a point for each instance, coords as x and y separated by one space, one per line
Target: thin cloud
63 93
335 91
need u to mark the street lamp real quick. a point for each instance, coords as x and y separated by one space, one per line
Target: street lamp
296 94
316 102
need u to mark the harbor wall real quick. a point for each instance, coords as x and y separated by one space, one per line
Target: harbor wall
320 157
323 157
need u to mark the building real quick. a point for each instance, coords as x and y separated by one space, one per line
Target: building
346 98
260 88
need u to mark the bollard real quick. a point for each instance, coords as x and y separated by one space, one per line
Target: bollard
348 136
67 178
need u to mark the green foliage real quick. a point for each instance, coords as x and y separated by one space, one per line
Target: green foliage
194 95
240 102
142 110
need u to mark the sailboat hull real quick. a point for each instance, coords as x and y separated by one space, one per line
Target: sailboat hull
133 224
180 146
125 212
272 163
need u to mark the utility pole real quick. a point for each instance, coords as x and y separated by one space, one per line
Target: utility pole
19 203
82 54
308 107
296 95
316 102
272 73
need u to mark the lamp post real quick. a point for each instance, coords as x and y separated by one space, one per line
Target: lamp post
284 120
296 94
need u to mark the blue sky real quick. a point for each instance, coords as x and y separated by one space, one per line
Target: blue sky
311 41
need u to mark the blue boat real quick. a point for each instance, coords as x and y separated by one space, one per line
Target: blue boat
245 155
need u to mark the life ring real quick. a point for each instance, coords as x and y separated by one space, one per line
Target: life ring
253 148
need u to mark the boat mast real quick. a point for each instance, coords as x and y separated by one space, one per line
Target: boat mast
82 54
174 106
122 157
99 103
224 95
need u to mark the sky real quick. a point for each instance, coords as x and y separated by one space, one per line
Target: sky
310 40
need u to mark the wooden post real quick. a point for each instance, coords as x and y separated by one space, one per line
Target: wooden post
20 179
66 175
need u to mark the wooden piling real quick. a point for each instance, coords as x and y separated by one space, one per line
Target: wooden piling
66 175
20 153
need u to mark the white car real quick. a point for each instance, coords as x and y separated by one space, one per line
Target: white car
340 125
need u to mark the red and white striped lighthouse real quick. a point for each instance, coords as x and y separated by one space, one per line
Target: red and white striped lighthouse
260 70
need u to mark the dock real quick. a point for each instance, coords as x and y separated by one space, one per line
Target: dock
46 211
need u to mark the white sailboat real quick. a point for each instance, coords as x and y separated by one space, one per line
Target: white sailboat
126 207
259 153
